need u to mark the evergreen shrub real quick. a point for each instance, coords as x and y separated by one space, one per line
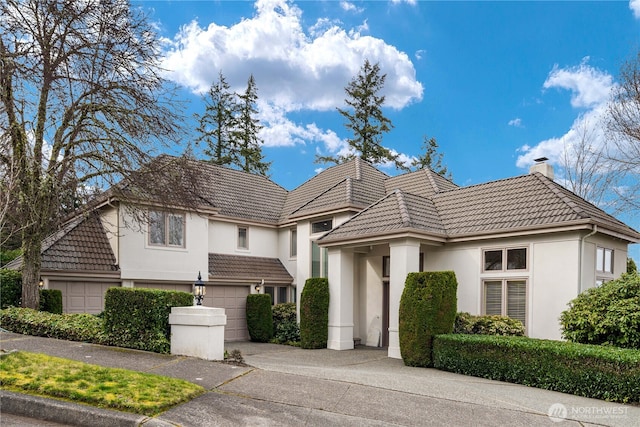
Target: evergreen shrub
314 313
51 301
427 308
285 324
139 318
466 323
600 372
259 317
10 288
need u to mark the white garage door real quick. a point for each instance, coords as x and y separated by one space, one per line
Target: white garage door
232 298
82 297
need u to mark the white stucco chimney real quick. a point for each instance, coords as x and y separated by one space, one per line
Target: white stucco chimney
543 167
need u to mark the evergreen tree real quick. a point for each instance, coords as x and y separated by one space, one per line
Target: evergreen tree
217 123
431 159
245 135
365 118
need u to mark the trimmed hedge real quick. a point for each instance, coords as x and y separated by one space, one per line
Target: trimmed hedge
72 327
608 314
51 300
427 308
314 313
598 372
10 288
285 323
466 323
259 317
139 318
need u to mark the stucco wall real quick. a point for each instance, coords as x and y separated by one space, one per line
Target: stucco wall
223 239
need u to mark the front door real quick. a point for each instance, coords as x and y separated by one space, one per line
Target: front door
385 313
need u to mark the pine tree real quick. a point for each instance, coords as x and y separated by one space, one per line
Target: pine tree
218 122
365 118
245 135
431 158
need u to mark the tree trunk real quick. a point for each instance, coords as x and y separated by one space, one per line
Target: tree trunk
31 255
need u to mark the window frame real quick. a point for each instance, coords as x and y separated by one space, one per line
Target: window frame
328 222
323 261
246 238
293 243
275 291
504 261
504 296
603 264
167 225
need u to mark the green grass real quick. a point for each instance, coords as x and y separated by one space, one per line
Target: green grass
120 389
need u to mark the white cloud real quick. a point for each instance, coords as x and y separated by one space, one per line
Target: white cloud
420 53
634 5
350 7
517 122
589 86
294 68
411 2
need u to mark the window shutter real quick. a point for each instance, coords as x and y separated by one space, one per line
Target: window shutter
517 300
493 297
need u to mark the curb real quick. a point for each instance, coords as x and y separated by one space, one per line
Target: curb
69 413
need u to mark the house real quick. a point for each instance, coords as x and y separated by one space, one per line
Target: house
522 247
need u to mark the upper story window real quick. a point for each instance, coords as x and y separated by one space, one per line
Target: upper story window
243 238
319 261
505 259
604 260
321 226
293 243
166 229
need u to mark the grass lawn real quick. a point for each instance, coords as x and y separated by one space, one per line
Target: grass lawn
121 389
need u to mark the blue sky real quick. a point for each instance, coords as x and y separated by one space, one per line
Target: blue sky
496 83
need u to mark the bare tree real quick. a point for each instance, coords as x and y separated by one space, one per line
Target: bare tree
82 104
624 131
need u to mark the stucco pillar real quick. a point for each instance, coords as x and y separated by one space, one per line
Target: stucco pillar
198 331
340 299
405 258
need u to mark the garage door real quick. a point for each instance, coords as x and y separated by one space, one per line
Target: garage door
82 297
232 298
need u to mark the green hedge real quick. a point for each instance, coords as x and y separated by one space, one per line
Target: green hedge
314 313
427 308
285 323
73 327
466 323
51 301
599 372
139 318
259 317
10 288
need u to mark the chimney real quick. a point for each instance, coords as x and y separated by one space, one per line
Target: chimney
543 167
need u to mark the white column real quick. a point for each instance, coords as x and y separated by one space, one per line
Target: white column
340 299
405 259
198 331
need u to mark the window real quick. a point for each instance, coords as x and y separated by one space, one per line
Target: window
293 243
516 259
319 262
386 266
279 294
166 229
604 260
506 298
322 226
243 238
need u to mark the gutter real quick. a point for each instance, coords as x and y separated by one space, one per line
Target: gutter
580 262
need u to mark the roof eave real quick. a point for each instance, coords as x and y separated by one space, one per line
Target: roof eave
386 236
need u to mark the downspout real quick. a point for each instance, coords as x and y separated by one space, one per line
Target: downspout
580 263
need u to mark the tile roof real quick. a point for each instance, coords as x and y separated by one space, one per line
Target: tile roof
248 268
526 202
423 183
355 183
81 245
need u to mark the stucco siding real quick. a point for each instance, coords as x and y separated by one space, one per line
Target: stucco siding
223 239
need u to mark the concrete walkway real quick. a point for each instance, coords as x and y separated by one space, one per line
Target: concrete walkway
290 386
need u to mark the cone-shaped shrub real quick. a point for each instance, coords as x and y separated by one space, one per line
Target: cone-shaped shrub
314 313
259 317
427 308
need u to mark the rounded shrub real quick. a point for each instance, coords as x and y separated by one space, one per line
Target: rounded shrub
427 308
608 314
259 317
314 313
466 323
285 324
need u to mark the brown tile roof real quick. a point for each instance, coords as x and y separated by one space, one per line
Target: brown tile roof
355 183
394 213
525 202
423 183
247 268
81 245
